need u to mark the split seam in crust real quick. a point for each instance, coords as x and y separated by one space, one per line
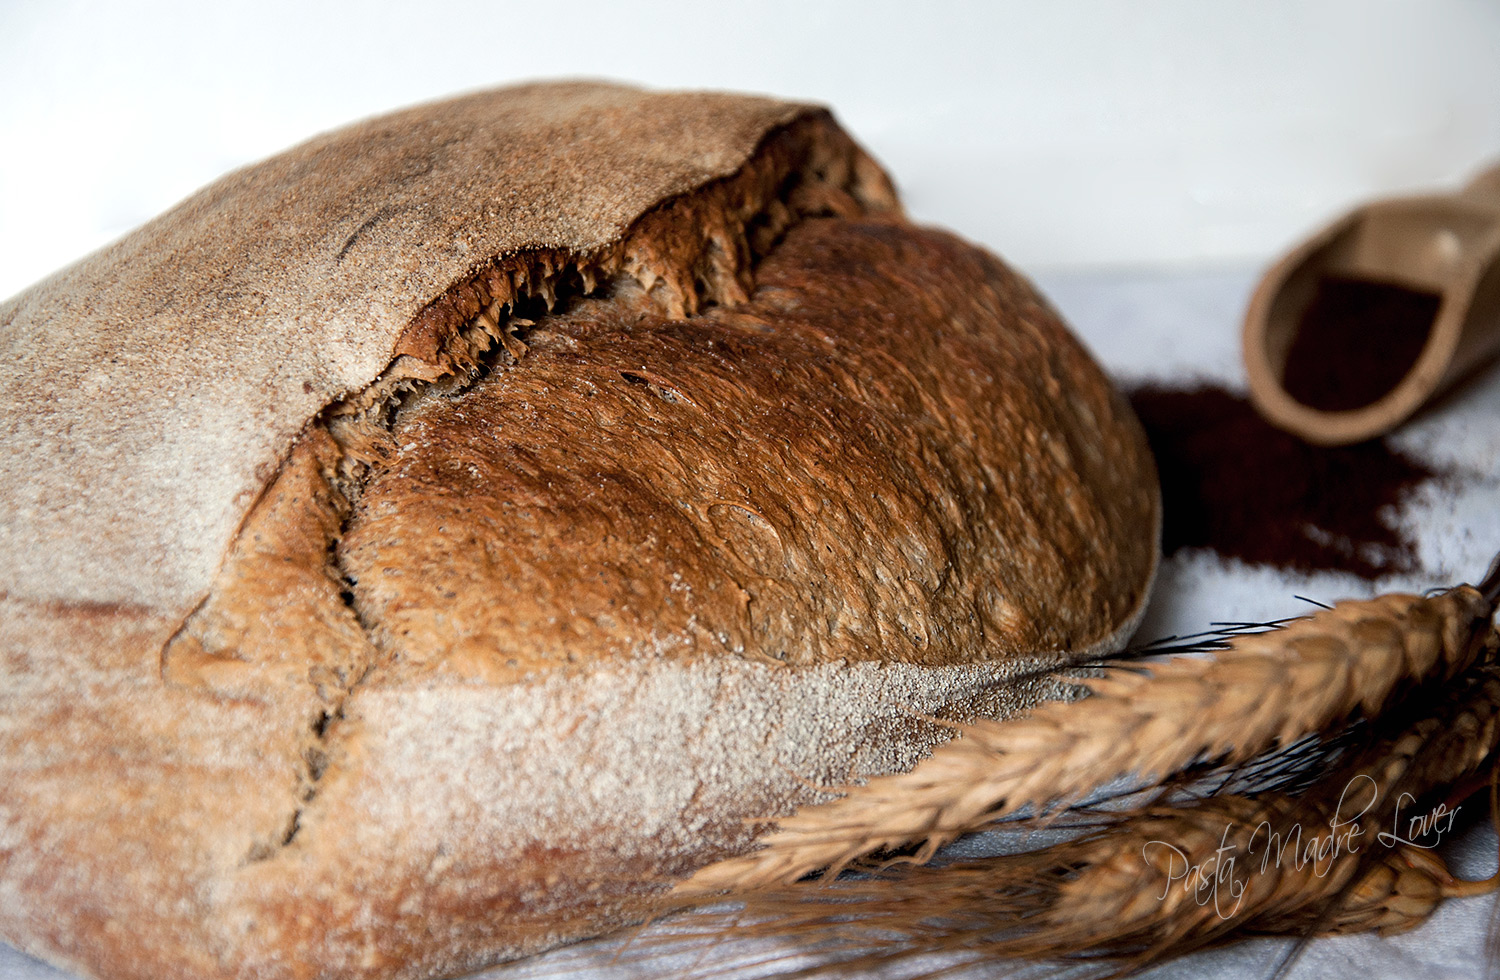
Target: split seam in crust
713 272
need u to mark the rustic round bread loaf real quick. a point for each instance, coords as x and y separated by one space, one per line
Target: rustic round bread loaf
421 548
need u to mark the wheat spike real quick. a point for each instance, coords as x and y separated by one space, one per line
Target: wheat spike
1125 890
1123 909
1147 721
1377 881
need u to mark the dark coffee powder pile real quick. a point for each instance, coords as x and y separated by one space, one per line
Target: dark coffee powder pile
1234 483
1355 342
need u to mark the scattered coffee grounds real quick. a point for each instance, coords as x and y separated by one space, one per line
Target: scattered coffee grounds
1234 483
1356 340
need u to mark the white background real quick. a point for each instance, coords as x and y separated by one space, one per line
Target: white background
1061 134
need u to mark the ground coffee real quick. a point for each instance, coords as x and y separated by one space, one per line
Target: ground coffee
1234 483
1355 342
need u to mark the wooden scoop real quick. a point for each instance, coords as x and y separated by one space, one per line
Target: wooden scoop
1358 327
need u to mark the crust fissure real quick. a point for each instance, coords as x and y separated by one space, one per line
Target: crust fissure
688 253
282 625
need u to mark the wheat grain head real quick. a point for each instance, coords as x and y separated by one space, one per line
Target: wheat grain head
1169 879
1147 721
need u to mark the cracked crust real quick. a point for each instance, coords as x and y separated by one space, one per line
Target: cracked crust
199 346
871 458
552 541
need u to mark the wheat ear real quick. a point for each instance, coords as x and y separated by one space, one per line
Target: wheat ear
1148 721
1376 882
1170 879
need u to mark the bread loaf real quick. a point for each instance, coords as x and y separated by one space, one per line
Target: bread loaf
422 547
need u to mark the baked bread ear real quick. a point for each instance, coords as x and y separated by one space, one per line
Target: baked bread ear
419 548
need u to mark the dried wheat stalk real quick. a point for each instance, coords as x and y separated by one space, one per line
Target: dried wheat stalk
1126 891
1360 876
1264 689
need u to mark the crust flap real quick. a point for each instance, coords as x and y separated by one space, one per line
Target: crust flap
196 347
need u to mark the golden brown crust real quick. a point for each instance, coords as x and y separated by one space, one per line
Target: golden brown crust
871 459
198 346
277 622
690 250
886 482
